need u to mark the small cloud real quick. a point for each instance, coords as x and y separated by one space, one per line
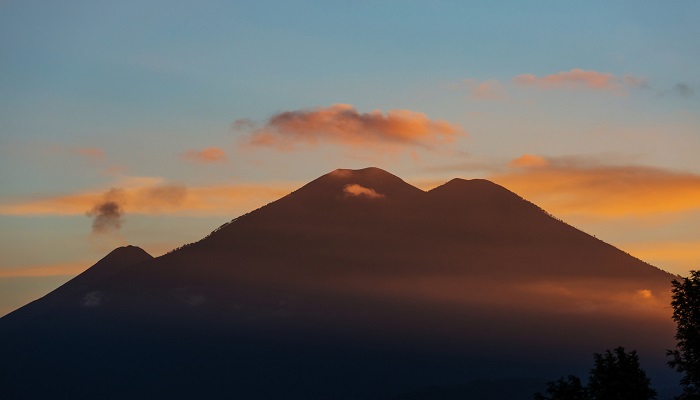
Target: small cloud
206 156
683 90
92 299
108 214
580 79
343 124
243 124
486 90
356 190
645 293
529 161
635 81
91 153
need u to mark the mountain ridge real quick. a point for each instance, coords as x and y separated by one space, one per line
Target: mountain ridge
384 275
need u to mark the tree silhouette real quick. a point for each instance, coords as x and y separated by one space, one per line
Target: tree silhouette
615 375
569 389
686 314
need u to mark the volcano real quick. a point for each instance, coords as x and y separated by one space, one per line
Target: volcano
356 285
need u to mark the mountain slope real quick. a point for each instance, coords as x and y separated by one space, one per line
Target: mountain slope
358 280
81 290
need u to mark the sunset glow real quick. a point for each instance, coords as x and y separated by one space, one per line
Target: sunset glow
153 124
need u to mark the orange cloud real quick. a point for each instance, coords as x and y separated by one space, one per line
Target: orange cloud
579 79
570 186
529 161
677 255
153 196
45 270
361 191
206 156
343 124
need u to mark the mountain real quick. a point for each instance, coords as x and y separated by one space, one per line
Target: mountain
356 285
79 291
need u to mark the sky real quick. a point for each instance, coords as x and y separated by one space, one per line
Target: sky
154 122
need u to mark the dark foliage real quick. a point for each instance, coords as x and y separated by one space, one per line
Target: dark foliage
561 389
686 314
615 375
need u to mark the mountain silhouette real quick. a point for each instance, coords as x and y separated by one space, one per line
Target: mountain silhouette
80 290
356 285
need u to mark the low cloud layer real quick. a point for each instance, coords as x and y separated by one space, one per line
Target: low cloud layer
73 268
579 186
153 196
580 79
207 155
343 124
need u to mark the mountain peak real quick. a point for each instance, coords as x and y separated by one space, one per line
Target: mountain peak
458 188
368 182
128 254
362 172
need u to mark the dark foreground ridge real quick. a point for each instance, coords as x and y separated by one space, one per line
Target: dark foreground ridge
355 286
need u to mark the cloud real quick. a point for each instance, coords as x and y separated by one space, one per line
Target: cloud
92 153
580 79
154 196
44 270
205 156
356 190
677 255
529 161
683 90
579 186
343 124
486 90
108 214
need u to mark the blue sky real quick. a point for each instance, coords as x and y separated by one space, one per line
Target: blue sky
99 95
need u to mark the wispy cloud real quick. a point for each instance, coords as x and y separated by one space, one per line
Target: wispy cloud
91 153
343 124
580 79
45 270
153 196
579 186
678 254
683 90
529 161
486 90
205 156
